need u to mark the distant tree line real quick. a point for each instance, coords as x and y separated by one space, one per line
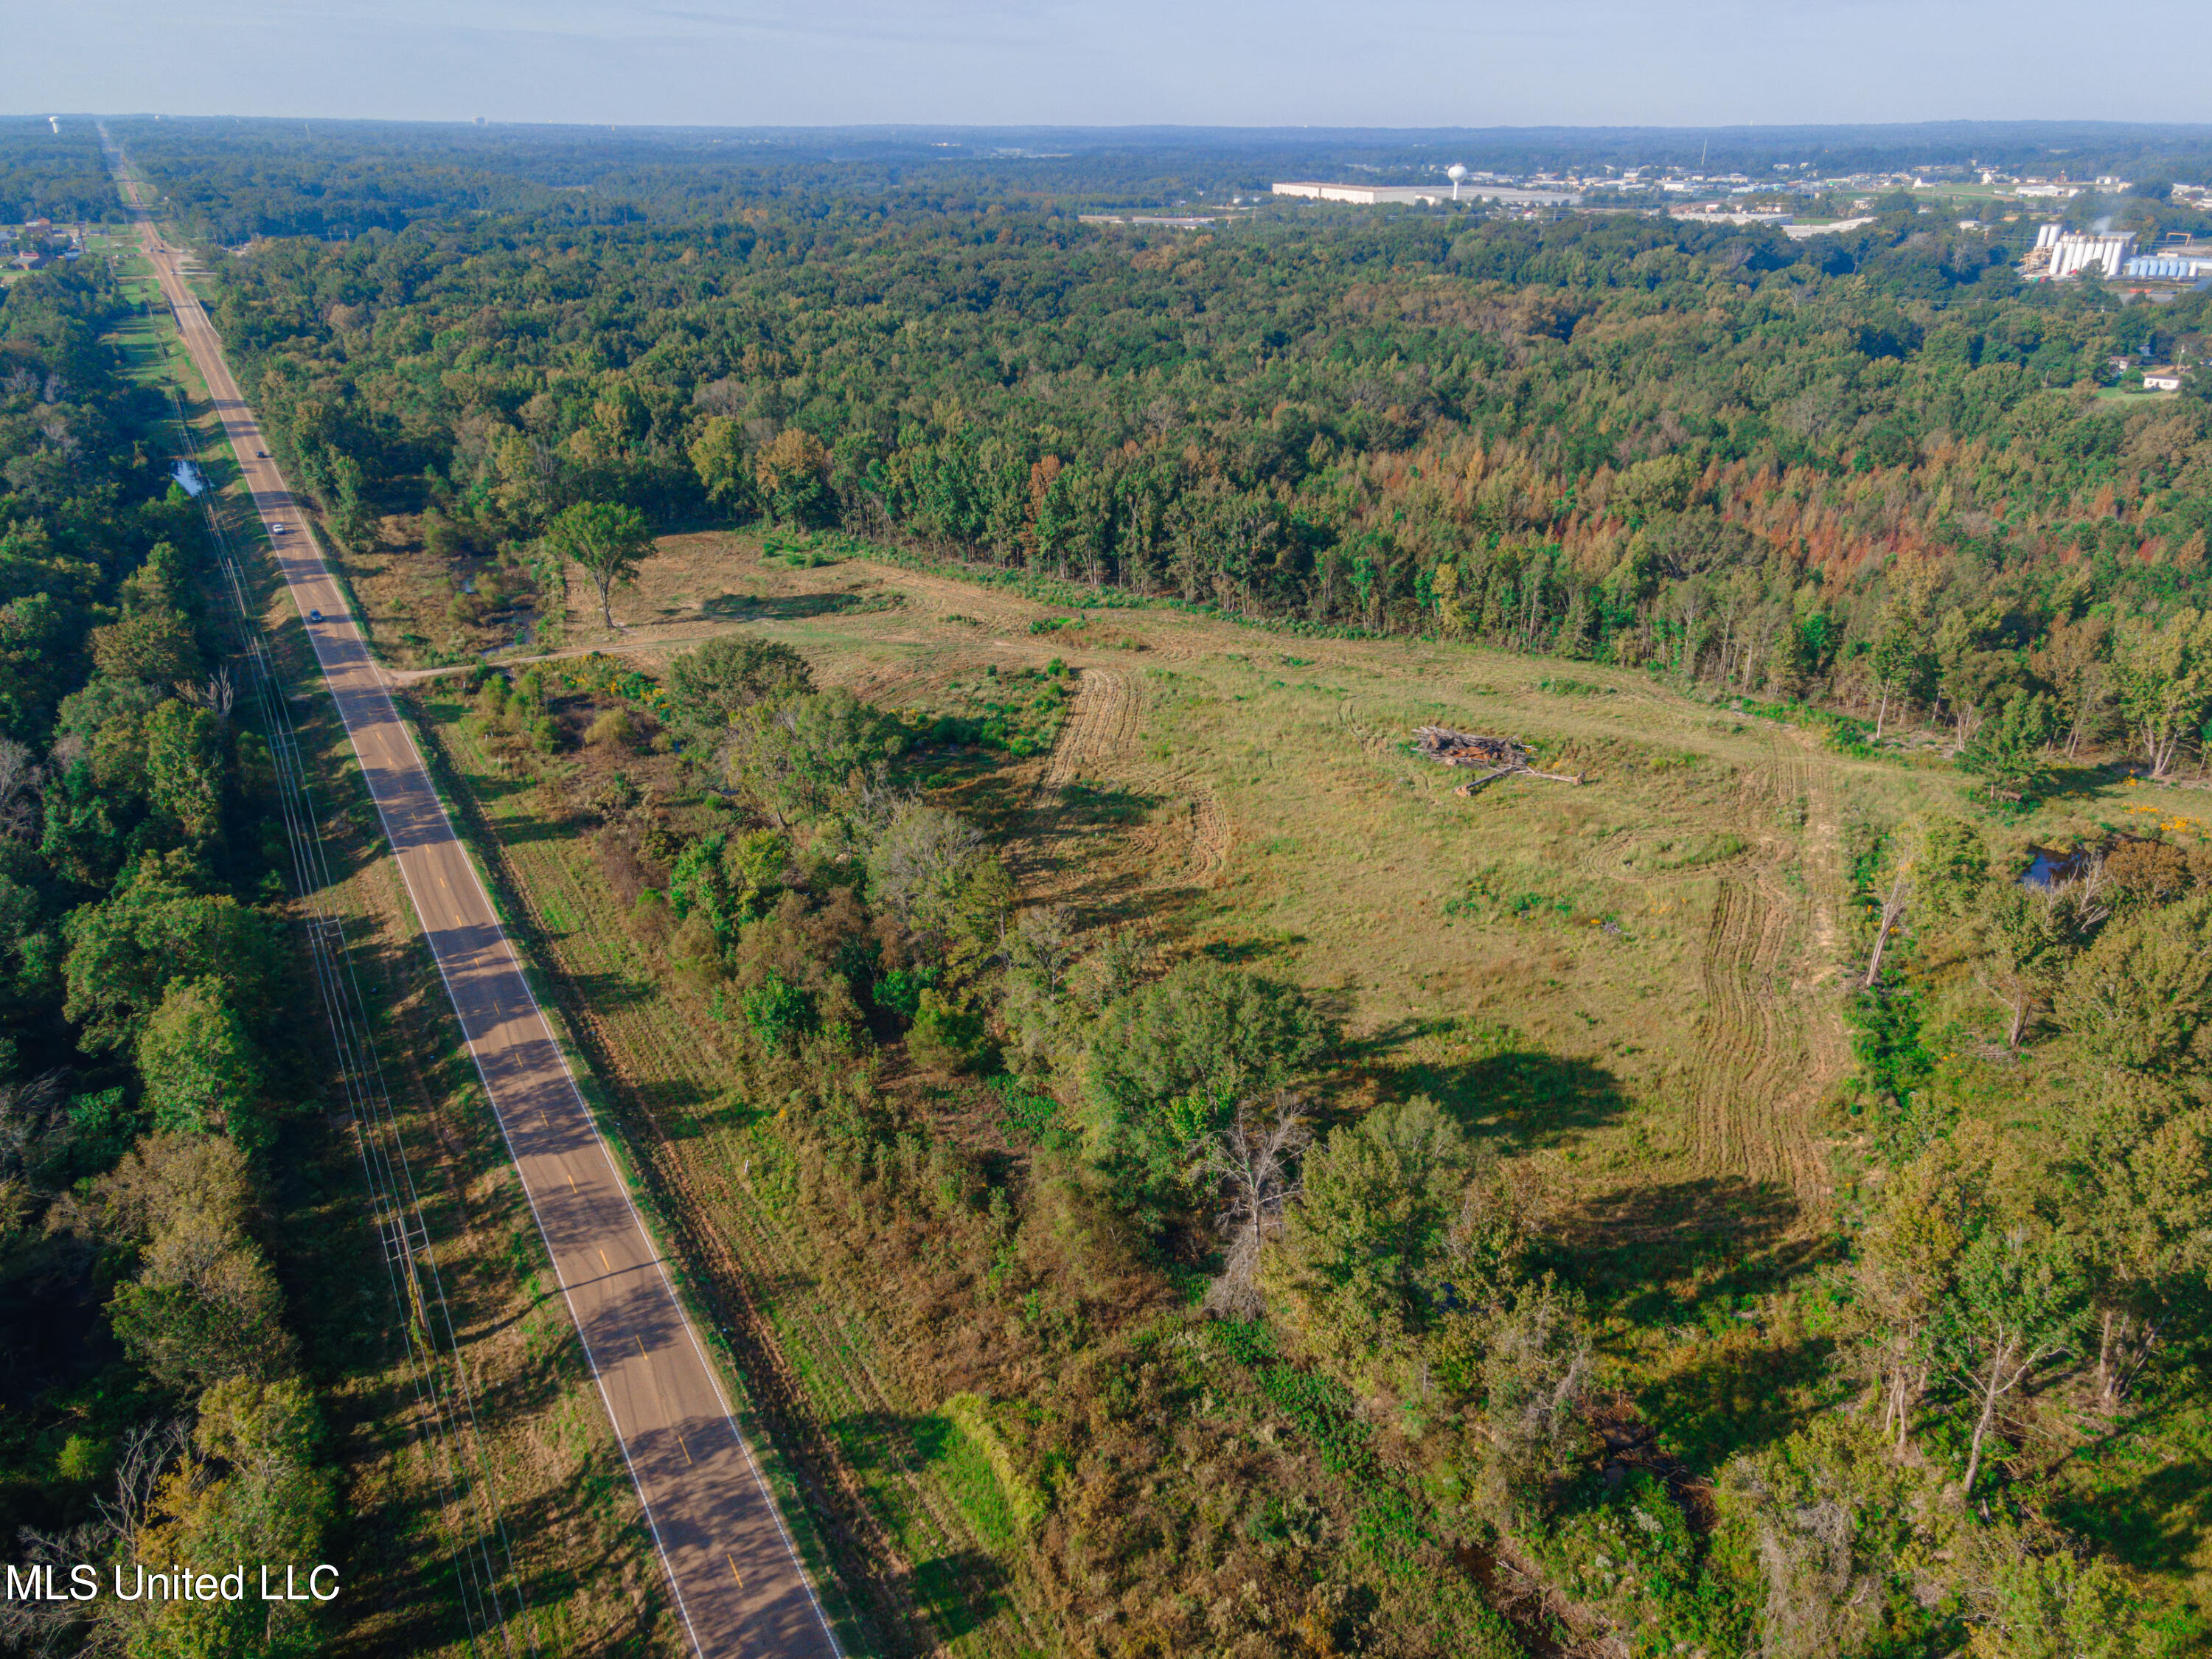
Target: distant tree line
1867 469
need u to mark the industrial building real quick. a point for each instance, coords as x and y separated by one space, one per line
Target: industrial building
1799 233
2166 267
2060 253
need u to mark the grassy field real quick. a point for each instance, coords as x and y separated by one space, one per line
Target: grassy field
582 1560
1666 933
1636 982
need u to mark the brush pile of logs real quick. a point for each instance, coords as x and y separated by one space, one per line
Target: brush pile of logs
1500 757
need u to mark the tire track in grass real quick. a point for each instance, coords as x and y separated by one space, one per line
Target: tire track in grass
1765 1051
1101 733
1101 726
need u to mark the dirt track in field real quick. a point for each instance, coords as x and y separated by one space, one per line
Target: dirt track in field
1765 1058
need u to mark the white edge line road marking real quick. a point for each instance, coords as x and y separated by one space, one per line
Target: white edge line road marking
377 692
682 1315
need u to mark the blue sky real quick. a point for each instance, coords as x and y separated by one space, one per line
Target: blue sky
1275 62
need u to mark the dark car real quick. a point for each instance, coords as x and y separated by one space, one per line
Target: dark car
262 453
315 615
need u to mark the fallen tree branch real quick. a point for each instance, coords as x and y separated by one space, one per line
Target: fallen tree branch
1473 784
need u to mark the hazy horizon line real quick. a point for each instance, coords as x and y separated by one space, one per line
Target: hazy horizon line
1949 122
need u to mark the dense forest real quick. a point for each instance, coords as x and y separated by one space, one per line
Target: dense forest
50 174
154 1404
1870 469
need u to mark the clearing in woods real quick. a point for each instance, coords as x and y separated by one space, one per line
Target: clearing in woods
1666 937
1634 981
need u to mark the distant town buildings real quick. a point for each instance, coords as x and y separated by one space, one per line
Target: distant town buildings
39 244
1474 189
1791 198
1799 233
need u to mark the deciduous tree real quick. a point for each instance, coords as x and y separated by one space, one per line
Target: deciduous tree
607 541
2163 674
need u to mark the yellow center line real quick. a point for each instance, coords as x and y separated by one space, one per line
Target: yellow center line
734 1573
681 1447
571 1173
603 1262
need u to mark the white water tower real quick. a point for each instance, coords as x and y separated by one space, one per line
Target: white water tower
1454 172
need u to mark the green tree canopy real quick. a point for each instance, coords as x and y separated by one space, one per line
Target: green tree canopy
812 755
2141 997
202 1072
124 952
734 671
1366 1250
607 541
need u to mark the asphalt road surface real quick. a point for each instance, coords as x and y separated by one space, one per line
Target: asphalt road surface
737 1583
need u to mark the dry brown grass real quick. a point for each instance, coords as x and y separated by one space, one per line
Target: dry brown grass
1636 982
1250 793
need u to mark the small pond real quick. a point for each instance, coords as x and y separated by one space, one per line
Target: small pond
2052 865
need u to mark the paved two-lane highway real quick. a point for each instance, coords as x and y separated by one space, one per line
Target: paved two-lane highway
737 1584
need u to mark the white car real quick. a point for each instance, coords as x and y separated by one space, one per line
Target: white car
275 529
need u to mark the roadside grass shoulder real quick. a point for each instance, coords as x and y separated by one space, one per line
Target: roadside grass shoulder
843 1447
583 1561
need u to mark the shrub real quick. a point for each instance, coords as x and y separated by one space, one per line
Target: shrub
945 1035
899 992
778 1011
1029 1116
649 921
613 729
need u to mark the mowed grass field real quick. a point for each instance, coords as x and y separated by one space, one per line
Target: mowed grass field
1637 982
1661 943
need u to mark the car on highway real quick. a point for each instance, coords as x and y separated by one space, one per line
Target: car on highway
275 529
261 454
315 615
